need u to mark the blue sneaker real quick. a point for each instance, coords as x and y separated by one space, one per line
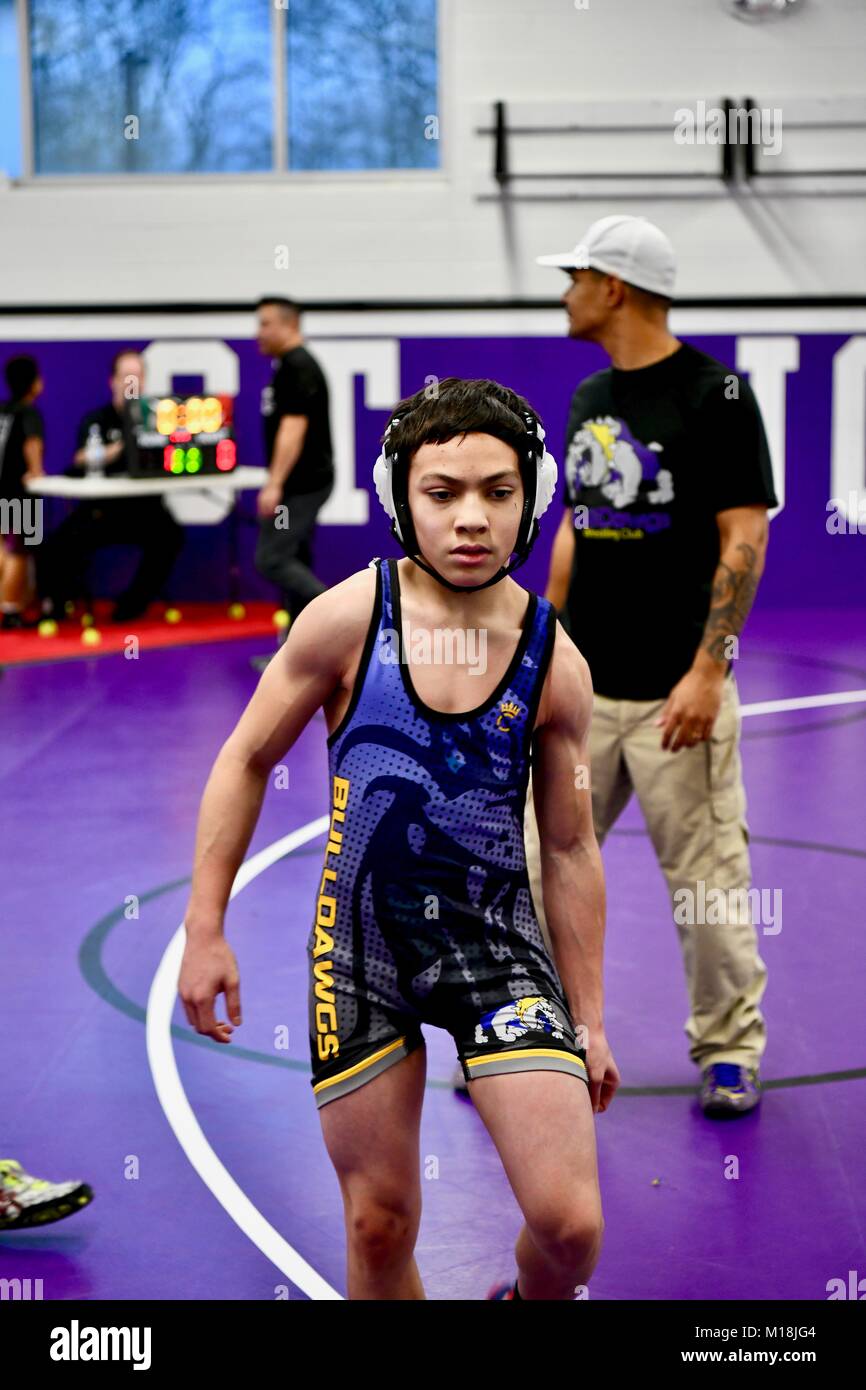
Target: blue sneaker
729 1090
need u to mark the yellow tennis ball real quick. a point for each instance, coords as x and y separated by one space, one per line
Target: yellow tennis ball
173 615
281 618
47 628
87 620
237 610
69 606
91 637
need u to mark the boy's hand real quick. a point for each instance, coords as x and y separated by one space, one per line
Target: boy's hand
209 968
603 1071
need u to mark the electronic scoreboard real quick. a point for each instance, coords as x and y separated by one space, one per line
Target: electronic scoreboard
179 436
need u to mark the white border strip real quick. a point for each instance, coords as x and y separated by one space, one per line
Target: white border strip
178 1111
406 323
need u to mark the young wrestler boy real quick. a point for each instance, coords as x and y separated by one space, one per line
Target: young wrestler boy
424 913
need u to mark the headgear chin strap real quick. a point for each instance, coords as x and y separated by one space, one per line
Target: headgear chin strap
537 469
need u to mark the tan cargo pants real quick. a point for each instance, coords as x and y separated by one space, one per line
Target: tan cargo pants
694 806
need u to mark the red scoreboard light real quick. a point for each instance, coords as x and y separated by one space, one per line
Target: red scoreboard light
181 436
226 455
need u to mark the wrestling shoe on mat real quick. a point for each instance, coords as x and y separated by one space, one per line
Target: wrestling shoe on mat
29 1201
729 1090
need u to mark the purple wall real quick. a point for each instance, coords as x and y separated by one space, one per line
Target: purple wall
806 565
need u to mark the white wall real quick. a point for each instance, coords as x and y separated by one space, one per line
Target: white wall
428 236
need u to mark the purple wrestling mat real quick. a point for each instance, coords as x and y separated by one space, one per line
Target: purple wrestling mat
102 767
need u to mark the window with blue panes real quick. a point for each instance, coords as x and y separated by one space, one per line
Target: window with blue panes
150 86
187 86
362 84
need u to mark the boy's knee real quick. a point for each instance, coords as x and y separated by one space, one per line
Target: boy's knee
381 1232
570 1236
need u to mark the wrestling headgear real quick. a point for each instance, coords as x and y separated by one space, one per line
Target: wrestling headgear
537 469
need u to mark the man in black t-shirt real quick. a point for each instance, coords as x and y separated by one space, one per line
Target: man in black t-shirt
655 567
654 454
143 522
297 434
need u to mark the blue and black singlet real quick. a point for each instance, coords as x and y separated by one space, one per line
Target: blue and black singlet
424 913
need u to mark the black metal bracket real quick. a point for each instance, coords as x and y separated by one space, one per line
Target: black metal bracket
752 148
504 175
730 164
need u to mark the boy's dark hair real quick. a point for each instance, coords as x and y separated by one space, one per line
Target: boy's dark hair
289 308
457 407
20 373
124 352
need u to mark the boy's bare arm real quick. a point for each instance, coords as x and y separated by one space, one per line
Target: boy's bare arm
302 676
571 867
308 669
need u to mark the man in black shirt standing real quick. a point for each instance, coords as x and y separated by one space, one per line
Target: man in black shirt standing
656 564
21 448
138 521
300 461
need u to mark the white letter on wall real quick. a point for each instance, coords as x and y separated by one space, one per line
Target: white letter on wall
768 361
847 480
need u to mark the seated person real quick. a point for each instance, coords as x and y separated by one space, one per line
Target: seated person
96 523
21 442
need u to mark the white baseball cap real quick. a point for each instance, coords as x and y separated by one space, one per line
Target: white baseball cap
632 248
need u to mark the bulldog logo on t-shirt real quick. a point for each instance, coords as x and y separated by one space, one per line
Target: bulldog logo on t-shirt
604 454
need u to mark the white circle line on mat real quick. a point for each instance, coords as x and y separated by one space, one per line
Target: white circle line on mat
837 697
175 1103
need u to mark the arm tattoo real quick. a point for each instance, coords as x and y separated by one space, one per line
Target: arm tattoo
732 596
